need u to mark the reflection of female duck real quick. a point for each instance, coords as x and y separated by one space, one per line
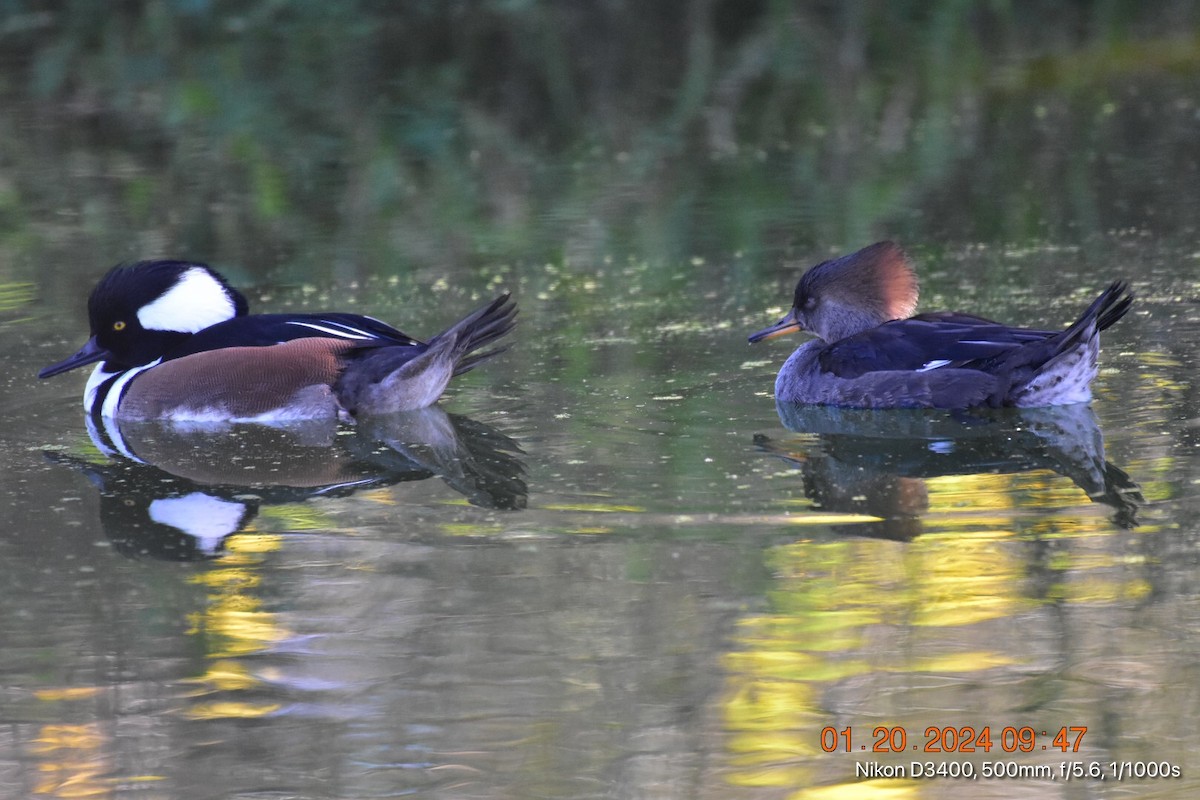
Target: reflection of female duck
179 494
872 462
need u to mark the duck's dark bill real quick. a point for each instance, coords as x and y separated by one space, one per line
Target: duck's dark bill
786 325
90 353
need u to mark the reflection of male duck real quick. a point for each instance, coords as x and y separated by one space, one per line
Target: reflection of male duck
874 462
177 493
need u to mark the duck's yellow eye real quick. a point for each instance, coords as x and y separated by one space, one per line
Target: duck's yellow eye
119 325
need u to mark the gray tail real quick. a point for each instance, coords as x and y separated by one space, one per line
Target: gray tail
476 330
1110 306
1020 366
382 379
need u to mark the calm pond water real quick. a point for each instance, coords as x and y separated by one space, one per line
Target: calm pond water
606 565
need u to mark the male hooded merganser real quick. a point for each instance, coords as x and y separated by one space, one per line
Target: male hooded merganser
871 353
176 341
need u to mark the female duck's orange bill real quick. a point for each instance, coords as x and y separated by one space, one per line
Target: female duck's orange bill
788 324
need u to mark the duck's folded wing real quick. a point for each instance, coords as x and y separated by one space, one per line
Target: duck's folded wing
264 330
925 342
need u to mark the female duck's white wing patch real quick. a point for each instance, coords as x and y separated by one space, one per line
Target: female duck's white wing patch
195 302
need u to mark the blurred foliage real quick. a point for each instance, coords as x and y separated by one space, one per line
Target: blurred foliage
332 141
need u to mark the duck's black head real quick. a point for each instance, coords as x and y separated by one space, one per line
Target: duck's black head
139 312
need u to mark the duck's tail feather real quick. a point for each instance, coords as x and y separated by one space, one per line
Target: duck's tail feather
479 329
1060 368
383 380
1112 304
1106 309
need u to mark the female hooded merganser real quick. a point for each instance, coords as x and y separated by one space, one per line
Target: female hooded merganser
176 341
872 354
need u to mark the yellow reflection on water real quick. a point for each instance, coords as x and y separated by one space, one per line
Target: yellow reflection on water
835 601
226 675
973 503
294 517
72 761
964 581
885 789
235 624
828 594
67 693
470 528
593 508
15 295
1042 501
859 630
227 710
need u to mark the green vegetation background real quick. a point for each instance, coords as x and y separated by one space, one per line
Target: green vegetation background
329 142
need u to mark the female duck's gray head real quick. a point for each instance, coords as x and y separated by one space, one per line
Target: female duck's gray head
851 294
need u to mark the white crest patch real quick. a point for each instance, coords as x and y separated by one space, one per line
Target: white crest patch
196 301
